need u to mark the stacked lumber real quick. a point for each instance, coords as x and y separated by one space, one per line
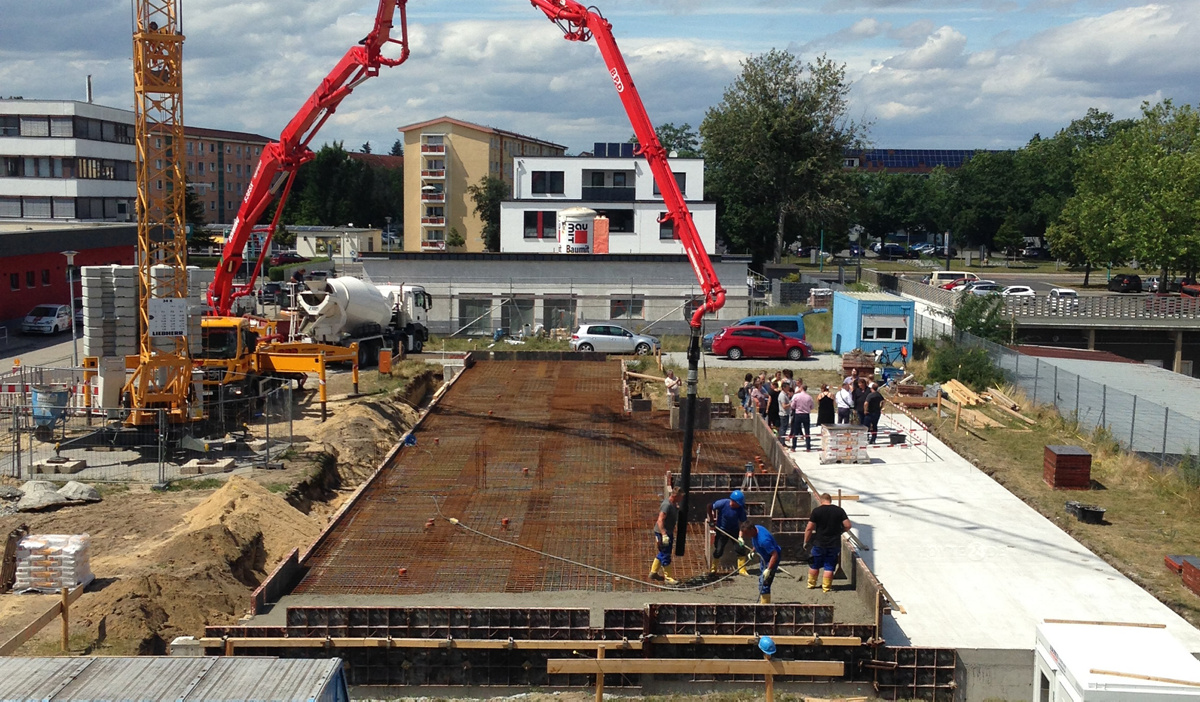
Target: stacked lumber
960 393
914 401
1004 403
979 420
909 389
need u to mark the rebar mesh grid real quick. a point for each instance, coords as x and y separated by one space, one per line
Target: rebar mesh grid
535 452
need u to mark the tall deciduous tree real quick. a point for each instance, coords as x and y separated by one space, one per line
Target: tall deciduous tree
487 195
334 189
774 148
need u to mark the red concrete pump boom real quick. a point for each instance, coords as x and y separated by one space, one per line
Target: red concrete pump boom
580 23
281 159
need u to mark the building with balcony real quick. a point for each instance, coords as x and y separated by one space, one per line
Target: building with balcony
220 165
444 157
66 160
614 183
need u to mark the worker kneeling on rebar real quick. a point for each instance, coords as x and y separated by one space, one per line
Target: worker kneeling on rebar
664 526
727 516
759 539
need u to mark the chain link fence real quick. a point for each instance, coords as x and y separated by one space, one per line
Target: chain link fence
1153 431
53 438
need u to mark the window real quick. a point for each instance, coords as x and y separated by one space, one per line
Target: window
11 167
212 205
626 308
885 327
38 208
619 221
212 148
666 228
547 182
239 152
680 180
435 164
540 224
618 180
431 211
783 326
62 127
597 179
10 126
10 207
45 276
191 167
475 314
435 235
35 126
229 168
64 208
434 139
14 281
228 149
559 313
239 170
189 148
30 279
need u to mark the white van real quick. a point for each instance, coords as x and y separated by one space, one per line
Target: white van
939 278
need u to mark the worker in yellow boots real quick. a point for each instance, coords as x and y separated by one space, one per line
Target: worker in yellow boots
759 539
824 531
727 516
664 526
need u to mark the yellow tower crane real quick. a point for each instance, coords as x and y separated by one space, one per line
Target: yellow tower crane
162 383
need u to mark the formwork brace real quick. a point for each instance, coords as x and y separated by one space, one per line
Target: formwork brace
692 666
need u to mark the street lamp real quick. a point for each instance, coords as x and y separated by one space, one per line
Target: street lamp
71 286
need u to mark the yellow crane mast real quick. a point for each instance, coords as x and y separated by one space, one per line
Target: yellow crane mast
162 380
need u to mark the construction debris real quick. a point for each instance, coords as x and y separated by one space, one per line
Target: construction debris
1001 400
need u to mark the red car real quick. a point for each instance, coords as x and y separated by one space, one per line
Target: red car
955 283
285 259
758 342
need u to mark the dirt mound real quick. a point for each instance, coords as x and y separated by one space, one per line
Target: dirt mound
204 572
359 435
247 509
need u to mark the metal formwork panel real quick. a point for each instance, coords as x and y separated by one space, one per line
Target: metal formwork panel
738 619
915 673
439 623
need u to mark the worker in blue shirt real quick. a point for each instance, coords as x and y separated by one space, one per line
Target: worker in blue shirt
728 515
758 538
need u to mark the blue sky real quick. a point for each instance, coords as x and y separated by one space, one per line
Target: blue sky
924 73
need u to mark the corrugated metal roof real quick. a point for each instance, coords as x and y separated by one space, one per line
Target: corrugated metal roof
169 679
874 296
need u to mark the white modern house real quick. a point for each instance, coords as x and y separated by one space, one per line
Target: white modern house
66 160
621 189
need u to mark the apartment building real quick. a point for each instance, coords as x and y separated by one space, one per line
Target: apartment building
66 160
445 156
220 164
618 186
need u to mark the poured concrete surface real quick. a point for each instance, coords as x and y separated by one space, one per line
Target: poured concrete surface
972 565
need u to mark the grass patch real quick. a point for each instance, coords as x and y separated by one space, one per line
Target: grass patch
110 489
279 487
195 484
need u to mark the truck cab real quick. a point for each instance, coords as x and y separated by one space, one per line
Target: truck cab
227 351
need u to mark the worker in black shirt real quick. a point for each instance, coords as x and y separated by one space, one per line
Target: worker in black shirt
824 531
874 406
664 527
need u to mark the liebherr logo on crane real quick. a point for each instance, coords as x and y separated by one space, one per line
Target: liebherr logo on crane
620 84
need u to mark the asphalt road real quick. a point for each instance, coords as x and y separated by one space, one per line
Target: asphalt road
51 351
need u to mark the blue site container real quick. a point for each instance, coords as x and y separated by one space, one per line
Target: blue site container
871 322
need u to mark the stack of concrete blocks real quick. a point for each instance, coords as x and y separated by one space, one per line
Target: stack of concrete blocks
197 304
110 315
844 443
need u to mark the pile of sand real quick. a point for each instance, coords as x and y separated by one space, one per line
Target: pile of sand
360 435
204 572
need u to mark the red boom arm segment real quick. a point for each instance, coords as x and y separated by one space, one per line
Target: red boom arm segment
280 159
580 24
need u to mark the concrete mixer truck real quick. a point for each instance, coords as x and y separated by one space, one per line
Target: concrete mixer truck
344 311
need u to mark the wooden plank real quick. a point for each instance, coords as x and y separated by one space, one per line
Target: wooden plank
913 401
643 376
1139 676
735 640
1003 399
30 631
1014 413
691 666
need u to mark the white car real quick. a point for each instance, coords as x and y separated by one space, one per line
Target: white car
970 285
47 319
985 287
1018 291
614 339
1063 299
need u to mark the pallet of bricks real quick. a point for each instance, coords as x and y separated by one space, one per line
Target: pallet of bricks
844 443
858 360
50 562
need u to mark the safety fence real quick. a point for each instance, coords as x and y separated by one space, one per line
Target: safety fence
1156 432
52 438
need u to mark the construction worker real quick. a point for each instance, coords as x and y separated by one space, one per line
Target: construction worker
664 526
727 516
759 539
824 531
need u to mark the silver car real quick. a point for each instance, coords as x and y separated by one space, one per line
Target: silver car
611 338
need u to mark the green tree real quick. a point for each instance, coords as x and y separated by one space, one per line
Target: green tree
774 149
397 148
454 238
487 195
200 236
983 316
365 148
682 139
335 189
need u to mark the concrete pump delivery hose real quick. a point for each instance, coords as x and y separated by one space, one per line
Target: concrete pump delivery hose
514 544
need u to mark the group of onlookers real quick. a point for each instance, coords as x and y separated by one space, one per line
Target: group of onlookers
785 403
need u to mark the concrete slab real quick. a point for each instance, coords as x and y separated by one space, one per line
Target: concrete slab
204 466
972 565
65 466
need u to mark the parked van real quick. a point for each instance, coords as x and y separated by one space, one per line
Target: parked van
786 324
939 278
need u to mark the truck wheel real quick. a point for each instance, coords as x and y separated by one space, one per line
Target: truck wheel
418 346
